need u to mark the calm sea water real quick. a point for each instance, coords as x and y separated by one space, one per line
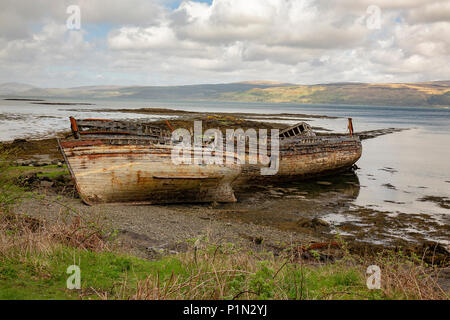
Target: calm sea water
415 163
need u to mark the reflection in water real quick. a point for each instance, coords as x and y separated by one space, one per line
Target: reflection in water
285 205
346 184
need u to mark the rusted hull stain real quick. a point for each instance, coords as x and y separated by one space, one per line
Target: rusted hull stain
130 173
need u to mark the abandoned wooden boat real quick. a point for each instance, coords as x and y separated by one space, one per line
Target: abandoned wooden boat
123 161
133 164
303 155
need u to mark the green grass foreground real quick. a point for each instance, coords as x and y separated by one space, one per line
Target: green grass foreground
213 273
42 275
34 258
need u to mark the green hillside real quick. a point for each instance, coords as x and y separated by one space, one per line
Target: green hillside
435 93
417 94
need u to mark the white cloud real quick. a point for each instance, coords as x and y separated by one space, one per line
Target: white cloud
145 42
143 38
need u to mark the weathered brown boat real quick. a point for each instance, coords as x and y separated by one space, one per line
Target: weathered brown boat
120 161
303 155
134 164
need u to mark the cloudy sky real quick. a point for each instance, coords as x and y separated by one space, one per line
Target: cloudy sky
168 42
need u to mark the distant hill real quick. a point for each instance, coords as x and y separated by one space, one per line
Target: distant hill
187 92
401 94
435 93
14 88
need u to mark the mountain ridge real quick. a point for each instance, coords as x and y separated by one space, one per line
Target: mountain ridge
430 93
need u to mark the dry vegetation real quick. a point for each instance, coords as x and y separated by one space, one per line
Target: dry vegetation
205 271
